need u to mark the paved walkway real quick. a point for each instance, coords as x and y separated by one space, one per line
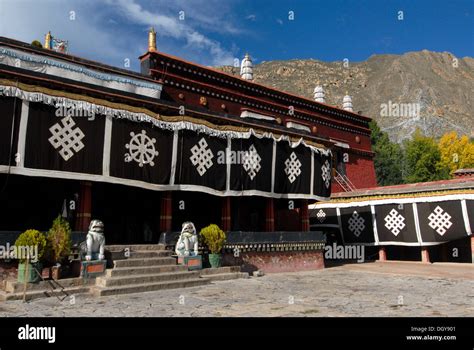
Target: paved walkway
409 268
371 289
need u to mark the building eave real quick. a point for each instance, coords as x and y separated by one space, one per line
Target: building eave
247 83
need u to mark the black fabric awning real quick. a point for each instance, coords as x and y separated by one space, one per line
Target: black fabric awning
97 143
415 221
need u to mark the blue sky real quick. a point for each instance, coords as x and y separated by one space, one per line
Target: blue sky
214 32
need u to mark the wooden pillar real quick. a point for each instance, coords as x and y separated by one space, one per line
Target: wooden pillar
270 215
226 214
472 249
304 215
425 255
166 212
444 252
382 254
83 216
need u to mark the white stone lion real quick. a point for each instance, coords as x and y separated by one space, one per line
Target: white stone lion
94 245
187 239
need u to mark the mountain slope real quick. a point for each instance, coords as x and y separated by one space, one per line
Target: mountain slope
441 85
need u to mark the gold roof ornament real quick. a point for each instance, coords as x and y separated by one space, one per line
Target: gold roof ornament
47 41
152 40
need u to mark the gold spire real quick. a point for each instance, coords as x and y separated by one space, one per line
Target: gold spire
47 41
152 40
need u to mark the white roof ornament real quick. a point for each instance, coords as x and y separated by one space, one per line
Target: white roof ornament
347 103
246 68
319 94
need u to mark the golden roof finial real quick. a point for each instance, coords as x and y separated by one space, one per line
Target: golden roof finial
47 41
152 40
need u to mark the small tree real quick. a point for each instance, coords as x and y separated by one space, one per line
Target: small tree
388 160
423 160
59 239
456 153
213 237
28 239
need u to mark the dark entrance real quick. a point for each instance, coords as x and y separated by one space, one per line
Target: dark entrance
131 215
248 213
28 202
287 217
201 208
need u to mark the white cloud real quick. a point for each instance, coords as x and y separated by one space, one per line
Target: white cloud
112 30
251 18
211 15
27 20
167 25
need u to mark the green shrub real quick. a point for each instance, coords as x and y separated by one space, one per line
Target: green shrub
213 237
31 238
36 43
59 240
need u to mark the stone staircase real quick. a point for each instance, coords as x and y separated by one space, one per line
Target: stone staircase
136 269
224 273
144 268
13 290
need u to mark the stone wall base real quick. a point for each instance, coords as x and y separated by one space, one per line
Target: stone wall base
269 262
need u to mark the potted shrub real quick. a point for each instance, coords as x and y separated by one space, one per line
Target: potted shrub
30 267
213 237
58 245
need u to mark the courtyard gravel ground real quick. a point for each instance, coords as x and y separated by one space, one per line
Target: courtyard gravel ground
338 291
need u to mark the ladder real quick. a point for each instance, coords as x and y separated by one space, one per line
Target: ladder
344 182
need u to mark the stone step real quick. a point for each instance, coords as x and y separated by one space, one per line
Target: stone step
219 270
36 294
134 247
227 276
140 279
145 262
17 287
144 270
148 287
150 254
122 254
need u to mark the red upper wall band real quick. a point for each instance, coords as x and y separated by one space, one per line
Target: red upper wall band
218 76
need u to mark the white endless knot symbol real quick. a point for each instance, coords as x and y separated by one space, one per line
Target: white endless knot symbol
67 137
321 215
202 157
326 173
356 224
394 222
142 149
440 221
292 167
251 162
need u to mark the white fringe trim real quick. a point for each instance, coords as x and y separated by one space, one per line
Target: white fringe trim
94 109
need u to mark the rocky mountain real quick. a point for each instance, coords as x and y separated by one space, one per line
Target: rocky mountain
433 91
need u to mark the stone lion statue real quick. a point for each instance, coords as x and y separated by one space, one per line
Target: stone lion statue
93 247
188 240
